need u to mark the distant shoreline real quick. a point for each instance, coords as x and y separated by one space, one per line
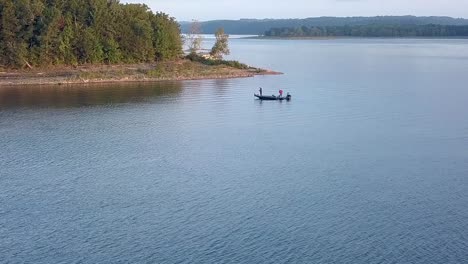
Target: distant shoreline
345 37
143 72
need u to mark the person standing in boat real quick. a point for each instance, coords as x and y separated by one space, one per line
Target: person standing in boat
281 93
261 91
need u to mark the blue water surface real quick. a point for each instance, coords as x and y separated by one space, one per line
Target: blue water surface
367 164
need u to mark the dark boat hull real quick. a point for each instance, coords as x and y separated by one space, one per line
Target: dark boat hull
272 97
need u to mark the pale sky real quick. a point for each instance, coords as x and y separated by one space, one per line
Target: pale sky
186 10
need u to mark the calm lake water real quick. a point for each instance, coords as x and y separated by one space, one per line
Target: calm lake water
367 164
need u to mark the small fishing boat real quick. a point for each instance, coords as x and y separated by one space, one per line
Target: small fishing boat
273 97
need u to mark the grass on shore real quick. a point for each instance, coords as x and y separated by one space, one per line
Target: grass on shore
178 70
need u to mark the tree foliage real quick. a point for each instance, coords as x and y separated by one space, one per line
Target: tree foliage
371 31
73 32
221 46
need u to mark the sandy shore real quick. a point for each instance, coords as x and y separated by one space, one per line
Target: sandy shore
147 72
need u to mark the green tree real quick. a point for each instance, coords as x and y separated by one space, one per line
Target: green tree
135 31
12 47
221 46
167 42
111 51
49 36
88 47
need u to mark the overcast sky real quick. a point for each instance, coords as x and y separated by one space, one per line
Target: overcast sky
186 10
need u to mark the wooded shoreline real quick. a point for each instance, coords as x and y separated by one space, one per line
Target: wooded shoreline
142 72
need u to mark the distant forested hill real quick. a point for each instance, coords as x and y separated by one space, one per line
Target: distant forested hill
258 27
73 32
370 31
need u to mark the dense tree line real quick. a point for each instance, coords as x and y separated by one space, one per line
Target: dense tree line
73 32
371 31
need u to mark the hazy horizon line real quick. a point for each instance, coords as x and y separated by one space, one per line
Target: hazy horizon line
287 18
